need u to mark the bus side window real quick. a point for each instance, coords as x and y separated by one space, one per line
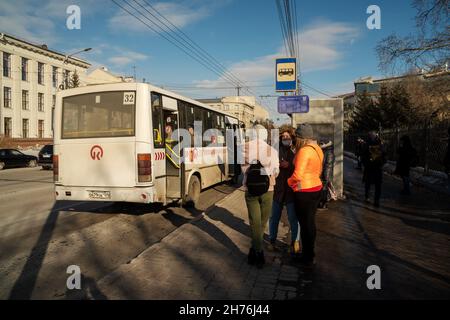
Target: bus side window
207 123
157 117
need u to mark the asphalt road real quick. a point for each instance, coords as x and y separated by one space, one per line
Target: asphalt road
40 238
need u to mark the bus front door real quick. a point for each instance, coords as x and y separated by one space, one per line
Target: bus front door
172 149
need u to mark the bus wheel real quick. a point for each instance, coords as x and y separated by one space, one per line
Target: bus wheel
194 189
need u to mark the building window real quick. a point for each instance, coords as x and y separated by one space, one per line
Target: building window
8 129
24 69
40 101
25 100
7 97
40 73
6 64
55 77
25 128
40 129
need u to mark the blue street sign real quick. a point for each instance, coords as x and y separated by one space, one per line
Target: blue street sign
293 104
286 74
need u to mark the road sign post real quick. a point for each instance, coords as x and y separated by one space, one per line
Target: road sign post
293 104
286 74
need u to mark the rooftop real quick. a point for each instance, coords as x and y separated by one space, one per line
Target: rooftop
42 49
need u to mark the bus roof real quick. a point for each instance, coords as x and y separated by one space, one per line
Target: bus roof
135 85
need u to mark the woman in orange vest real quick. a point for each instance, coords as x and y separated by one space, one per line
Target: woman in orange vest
307 186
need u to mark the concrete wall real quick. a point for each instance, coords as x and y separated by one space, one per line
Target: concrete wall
327 118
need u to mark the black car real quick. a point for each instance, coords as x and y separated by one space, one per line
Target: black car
14 158
45 157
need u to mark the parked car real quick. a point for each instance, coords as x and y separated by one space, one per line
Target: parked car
14 158
45 157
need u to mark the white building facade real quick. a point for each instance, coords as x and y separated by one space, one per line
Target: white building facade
30 76
245 108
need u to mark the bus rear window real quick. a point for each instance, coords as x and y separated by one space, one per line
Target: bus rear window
98 115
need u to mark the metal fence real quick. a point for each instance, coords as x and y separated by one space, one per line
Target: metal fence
430 143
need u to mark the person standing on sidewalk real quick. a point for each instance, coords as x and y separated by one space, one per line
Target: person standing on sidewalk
407 157
327 172
447 160
283 194
373 158
359 147
307 187
261 167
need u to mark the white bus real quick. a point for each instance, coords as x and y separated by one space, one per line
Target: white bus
119 142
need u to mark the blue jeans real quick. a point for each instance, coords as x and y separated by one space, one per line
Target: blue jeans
277 208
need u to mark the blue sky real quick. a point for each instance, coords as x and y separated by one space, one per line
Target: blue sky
244 35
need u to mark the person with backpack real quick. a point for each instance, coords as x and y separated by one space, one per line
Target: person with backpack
261 167
283 194
407 158
307 186
327 172
373 158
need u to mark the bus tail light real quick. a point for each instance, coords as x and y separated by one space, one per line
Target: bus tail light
144 167
55 167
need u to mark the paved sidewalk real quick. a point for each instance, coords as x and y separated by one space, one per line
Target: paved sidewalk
204 259
407 237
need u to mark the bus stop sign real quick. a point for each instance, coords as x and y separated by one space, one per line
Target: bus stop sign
293 104
286 74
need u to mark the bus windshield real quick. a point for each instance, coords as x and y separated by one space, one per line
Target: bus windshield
99 114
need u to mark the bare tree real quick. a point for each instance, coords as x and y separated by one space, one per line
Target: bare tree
428 48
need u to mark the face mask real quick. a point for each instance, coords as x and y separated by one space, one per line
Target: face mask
286 143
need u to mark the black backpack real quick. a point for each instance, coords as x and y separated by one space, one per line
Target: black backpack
257 180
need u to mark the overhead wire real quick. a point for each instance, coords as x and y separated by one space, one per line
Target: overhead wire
186 39
190 48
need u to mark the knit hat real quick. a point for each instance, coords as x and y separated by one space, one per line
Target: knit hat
304 131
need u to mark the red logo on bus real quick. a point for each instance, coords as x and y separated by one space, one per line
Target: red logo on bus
96 152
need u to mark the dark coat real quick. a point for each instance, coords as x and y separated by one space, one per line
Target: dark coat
373 168
282 192
328 164
407 157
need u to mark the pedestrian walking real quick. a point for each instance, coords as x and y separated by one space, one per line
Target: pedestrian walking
307 187
373 159
283 194
327 172
407 158
261 167
447 159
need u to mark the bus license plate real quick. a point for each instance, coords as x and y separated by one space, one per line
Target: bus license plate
99 195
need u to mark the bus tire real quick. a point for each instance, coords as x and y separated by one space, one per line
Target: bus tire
193 194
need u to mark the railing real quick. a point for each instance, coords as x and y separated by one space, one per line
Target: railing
430 143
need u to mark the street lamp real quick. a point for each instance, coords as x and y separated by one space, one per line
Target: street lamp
65 61
68 56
